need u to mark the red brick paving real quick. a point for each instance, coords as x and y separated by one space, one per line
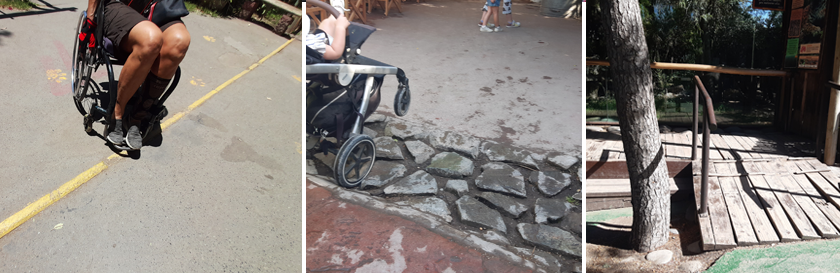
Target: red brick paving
342 237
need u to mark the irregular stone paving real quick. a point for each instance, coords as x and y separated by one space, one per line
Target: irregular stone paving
431 205
450 165
507 205
504 194
451 141
551 237
477 214
505 153
419 150
550 209
387 147
382 173
458 187
419 182
551 183
501 178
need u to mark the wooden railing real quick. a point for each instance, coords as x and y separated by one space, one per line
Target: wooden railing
710 124
705 68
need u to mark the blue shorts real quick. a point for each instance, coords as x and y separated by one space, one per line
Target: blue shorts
490 4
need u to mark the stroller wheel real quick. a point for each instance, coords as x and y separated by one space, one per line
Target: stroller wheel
354 161
402 100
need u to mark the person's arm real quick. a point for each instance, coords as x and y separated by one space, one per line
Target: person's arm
92 8
335 49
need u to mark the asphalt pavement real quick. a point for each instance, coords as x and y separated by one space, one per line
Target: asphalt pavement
521 86
220 193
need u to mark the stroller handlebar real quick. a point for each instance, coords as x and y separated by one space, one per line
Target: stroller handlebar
350 68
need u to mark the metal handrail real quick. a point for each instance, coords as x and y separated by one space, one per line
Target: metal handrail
710 125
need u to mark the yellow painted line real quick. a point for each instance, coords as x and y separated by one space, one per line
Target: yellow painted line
34 208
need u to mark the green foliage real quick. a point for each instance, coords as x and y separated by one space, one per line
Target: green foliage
572 201
17 4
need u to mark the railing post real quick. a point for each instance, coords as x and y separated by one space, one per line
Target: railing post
704 172
694 119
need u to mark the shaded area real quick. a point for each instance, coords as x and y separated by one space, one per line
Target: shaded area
37 10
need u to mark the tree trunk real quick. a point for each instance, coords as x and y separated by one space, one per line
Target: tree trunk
631 75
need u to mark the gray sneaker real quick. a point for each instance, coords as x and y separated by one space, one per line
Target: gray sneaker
497 29
116 134
133 138
486 29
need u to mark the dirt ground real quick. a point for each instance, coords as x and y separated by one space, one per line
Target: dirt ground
608 245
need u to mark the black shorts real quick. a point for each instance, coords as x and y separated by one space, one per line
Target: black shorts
119 20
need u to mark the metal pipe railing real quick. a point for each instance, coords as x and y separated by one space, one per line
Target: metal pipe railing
710 124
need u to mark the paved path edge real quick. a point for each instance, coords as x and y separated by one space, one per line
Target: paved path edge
426 220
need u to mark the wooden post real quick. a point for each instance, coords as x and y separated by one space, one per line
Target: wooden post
832 125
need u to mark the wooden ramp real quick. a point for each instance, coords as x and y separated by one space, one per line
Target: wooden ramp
767 200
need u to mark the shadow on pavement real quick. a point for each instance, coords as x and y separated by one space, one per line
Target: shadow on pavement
37 10
4 34
605 234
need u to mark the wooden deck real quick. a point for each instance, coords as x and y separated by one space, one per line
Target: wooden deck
762 189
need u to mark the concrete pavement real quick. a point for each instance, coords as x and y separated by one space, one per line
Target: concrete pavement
221 192
521 86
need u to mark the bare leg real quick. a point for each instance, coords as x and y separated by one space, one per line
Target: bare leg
485 17
176 42
495 11
143 42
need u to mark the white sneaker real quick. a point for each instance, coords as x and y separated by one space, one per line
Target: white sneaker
486 29
513 24
497 29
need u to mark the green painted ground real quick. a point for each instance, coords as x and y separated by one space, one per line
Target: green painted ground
606 215
817 256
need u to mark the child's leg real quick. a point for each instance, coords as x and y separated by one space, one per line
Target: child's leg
495 11
484 12
485 17
506 9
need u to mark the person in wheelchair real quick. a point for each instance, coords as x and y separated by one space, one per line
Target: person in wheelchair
151 52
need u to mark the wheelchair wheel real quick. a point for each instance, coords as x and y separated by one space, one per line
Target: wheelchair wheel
354 161
83 94
402 100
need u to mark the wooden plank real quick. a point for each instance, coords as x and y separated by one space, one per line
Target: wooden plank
744 231
771 205
764 230
615 149
707 234
754 206
823 185
667 143
719 215
619 187
683 146
748 146
724 149
823 202
820 222
736 147
593 151
294 10
798 219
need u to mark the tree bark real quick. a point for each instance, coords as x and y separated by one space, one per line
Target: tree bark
631 75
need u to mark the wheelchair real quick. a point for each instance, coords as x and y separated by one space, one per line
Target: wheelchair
340 95
96 104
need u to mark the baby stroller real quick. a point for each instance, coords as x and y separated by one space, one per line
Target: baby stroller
340 95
